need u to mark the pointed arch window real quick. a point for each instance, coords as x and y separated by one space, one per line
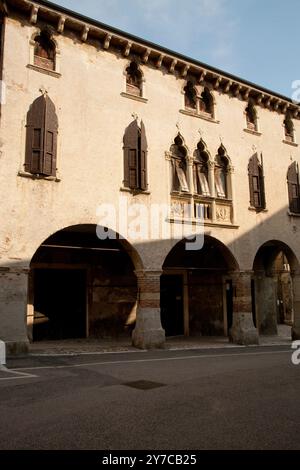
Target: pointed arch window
190 96
293 188
135 157
44 52
206 103
221 170
251 117
41 138
200 171
179 166
256 183
134 80
289 129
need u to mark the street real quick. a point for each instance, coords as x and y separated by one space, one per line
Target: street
240 398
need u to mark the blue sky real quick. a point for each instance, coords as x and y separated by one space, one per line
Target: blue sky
257 40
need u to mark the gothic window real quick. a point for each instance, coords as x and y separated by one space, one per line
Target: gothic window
288 129
44 51
135 157
221 169
293 188
200 171
179 167
206 103
41 138
251 117
256 183
134 80
190 96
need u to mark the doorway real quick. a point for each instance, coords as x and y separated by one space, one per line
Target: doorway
59 304
172 311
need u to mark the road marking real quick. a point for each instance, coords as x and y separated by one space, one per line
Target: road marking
164 359
20 375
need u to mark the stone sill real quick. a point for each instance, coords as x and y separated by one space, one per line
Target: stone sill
54 179
250 131
52 73
293 214
206 117
293 144
134 97
254 209
135 192
205 223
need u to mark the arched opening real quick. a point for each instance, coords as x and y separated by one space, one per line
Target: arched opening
206 103
134 80
272 288
44 51
190 96
179 166
82 287
221 173
197 290
200 170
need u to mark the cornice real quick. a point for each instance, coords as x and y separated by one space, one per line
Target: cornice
111 39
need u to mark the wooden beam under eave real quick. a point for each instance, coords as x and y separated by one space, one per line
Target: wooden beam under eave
159 61
228 86
185 71
61 24
202 76
34 14
173 65
146 56
85 33
217 83
127 48
106 42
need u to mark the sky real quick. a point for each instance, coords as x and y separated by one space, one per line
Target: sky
256 40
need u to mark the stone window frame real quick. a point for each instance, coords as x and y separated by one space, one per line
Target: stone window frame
125 93
56 73
199 90
289 134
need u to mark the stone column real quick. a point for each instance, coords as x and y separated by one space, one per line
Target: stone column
190 174
243 330
296 323
13 309
148 333
211 183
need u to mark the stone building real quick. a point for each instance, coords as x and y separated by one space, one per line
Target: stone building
95 118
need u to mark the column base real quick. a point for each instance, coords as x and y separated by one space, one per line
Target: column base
17 348
295 333
243 331
148 333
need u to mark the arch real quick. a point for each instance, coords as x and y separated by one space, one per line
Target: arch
269 250
190 96
44 50
251 116
197 290
201 170
274 267
82 286
179 154
289 130
134 79
222 176
207 102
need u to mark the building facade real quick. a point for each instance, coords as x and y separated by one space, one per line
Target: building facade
113 151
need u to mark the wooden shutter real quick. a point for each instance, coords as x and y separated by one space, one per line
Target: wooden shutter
35 136
256 183
143 159
50 140
131 156
41 138
293 188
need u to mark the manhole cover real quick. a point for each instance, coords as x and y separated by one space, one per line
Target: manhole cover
144 385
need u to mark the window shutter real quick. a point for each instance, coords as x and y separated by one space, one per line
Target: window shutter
35 136
131 151
50 139
293 188
256 183
143 159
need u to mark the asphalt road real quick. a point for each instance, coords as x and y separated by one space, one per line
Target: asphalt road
242 398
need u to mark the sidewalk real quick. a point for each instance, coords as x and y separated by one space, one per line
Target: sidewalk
100 346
